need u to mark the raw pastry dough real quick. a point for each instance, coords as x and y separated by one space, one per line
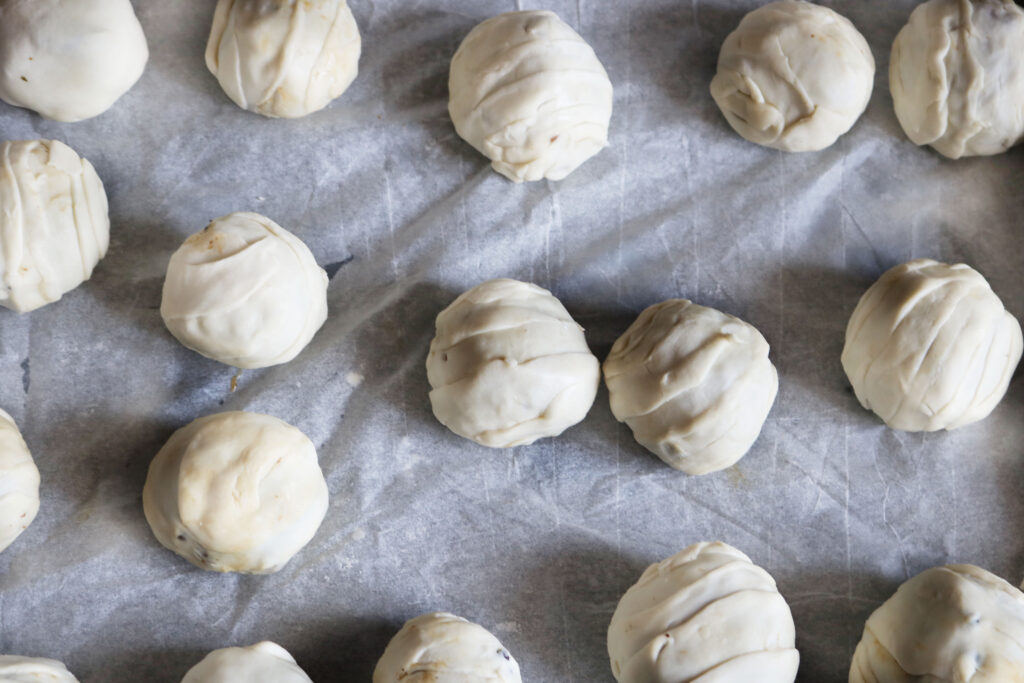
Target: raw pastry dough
69 59
19 483
694 384
264 662
14 669
236 492
705 615
444 648
793 76
949 624
244 291
530 94
957 76
54 227
930 347
509 365
283 58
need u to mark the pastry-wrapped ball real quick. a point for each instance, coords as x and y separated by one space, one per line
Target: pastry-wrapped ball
530 94
509 365
694 384
706 614
444 648
793 76
15 669
264 662
931 347
19 483
957 76
245 292
54 227
283 58
949 624
236 492
69 60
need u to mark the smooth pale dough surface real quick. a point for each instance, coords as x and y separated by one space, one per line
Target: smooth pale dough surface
509 365
444 648
236 492
949 624
264 662
69 60
54 227
245 292
793 76
530 94
15 669
282 58
19 483
956 73
931 347
705 615
694 384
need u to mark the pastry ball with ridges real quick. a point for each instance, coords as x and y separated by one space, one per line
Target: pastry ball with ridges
236 492
948 624
694 384
54 227
509 365
245 292
444 648
530 94
264 662
793 76
282 58
15 669
956 73
930 346
19 483
705 615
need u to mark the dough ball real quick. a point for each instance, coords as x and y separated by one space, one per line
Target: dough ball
707 615
19 483
931 347
444 648
282 58
948 624
69 60
530 94
509 365
236 492
793 76
245 292
957 76
54 227
264 662
694 384
14 669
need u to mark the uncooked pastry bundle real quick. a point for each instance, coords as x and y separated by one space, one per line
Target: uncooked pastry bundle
793 76
509 365
530 94
694 384
15 669
244 291
931 347
19 483
236 492
69 59
282 58
444 648
957 76
264 662
949 624
54 227
705 615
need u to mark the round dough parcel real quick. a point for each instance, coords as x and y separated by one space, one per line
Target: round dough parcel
54 227
509 365
530 94
948 624
15 669
264 662
19 483
705 615
694 384
793 76
236 492
245 292
69 60
931 347
957 76
282 58
444 648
